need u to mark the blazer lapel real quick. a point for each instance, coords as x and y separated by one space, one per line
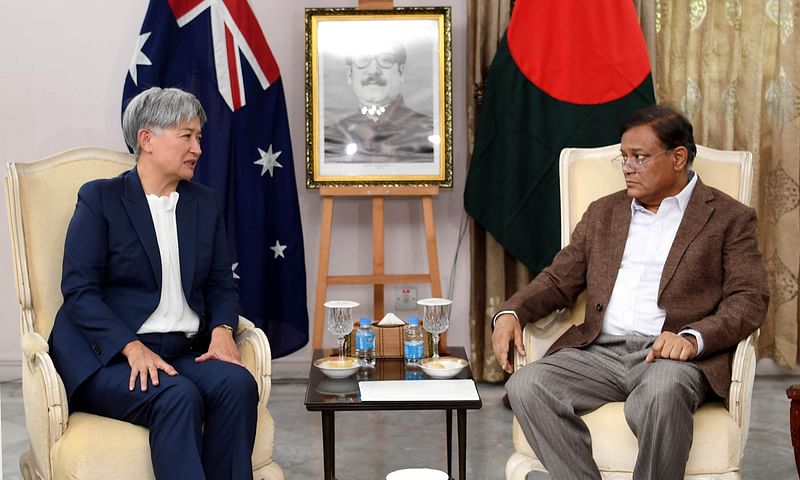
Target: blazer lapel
186 219
697 213
620 224
135 204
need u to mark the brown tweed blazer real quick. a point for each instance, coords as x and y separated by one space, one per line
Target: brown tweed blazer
714 279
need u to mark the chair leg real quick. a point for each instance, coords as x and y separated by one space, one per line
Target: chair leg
793 393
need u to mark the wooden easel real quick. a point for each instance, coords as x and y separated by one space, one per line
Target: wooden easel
378 279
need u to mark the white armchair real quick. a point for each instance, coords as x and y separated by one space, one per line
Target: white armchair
41 198
720 430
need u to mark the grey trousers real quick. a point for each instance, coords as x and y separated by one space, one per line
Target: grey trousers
549 395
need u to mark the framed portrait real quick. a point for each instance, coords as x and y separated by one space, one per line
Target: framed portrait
378 97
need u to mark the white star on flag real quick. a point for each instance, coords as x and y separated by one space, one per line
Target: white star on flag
278 249
139 58
268 160
233 270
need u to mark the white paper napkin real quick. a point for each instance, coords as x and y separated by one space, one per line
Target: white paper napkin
418 390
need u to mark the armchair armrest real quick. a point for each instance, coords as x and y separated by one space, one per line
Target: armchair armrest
743 372
45 399
256 356
538 336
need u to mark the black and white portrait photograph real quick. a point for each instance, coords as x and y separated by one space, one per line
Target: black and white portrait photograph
378 109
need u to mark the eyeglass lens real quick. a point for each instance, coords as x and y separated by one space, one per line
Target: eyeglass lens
384 60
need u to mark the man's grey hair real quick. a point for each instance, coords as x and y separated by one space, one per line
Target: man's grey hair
158 108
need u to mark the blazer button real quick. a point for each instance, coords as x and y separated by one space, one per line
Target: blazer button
96 349
599 307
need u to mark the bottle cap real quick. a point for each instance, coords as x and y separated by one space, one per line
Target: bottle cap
364 321
413 321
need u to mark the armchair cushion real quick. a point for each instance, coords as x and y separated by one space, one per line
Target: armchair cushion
105 438
715 448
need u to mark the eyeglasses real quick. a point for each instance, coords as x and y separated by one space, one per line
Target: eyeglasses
636 163
384 60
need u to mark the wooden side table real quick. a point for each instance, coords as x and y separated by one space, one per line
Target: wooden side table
793 393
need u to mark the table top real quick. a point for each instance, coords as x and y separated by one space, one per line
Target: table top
323 393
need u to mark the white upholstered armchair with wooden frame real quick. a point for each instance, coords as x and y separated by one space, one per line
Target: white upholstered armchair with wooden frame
41 197
720 429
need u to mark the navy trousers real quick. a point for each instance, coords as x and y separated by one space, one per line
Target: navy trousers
202 421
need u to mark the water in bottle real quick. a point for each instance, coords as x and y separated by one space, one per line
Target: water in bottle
365 343
413 342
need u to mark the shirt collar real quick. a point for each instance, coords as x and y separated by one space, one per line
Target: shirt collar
164 203
682 197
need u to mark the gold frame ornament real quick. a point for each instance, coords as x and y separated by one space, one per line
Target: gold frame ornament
378 97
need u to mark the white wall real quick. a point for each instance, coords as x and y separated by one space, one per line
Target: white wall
62 67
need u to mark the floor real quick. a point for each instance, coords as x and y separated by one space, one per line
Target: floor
371 444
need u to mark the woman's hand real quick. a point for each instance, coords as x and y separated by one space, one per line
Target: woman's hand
222 347
144 362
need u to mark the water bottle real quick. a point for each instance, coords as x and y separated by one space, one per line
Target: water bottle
365 343
413 342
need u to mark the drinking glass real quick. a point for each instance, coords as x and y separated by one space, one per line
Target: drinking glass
436 318
339 320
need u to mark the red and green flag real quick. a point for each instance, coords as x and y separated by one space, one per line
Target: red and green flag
566 74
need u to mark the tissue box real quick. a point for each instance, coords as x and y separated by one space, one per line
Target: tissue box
388 342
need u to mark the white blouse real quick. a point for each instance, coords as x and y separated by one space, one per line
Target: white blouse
173 313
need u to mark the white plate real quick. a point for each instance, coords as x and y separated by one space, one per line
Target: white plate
442 367
337 368
417 474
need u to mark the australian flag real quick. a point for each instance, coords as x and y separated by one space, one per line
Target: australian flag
217 51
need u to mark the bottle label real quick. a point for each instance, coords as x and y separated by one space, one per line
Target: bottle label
365 341
413 349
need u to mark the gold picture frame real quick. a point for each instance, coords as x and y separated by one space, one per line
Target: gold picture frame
378 97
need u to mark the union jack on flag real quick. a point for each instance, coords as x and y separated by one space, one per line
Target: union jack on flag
216 50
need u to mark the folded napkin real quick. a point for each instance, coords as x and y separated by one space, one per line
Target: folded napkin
390 320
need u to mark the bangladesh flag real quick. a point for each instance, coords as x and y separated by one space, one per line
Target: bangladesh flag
566 74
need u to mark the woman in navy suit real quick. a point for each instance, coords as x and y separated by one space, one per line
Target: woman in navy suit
146 330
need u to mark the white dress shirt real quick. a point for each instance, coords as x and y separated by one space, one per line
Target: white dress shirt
633 308
173 313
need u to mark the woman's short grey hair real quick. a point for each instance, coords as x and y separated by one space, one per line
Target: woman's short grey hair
158 108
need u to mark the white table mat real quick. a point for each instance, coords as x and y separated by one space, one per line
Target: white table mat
418 390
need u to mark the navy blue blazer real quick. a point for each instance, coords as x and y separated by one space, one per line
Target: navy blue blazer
111 278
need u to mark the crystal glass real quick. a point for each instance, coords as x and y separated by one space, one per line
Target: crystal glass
436 318
339 320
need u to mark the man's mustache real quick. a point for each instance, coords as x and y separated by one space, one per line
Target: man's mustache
374 79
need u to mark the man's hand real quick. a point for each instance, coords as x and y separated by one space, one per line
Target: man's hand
222 347
672 346
506 331
144 362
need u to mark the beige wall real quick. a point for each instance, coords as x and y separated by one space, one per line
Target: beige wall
62 67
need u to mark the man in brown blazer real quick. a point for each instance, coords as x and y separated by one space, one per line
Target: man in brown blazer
674 281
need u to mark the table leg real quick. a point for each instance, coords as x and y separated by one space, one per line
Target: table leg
329 445
449 417
462 443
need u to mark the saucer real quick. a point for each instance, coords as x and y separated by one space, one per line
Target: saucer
334 367
442 367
